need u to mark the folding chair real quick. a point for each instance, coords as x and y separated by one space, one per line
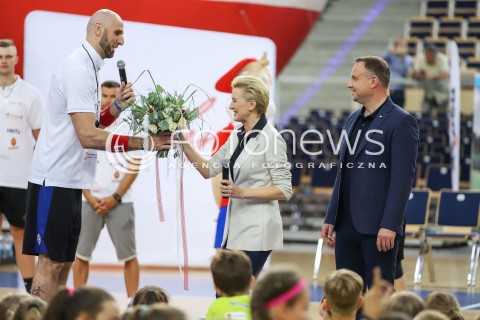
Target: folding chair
416 220
421 27
465 8
324 177
473 29
458 217
438 177
437 8
467 47
450 27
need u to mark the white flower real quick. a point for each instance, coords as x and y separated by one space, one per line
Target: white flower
153 128
182 123
172 126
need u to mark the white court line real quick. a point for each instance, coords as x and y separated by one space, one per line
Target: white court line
472 306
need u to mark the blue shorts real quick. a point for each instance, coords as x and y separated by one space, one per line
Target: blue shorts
54 219
222 216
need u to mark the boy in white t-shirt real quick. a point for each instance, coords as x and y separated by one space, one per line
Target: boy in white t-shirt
108 203
21 116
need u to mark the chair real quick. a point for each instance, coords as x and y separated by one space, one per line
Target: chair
465 8
297 174
421 27
323 176
467 47
450 27
437 8
473 63
438 177
412 45
473 29
457 218
416 220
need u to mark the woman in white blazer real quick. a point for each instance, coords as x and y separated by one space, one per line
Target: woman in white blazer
259 174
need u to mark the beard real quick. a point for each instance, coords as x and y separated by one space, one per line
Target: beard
104 45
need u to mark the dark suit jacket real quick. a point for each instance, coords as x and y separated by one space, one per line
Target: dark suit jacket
378 196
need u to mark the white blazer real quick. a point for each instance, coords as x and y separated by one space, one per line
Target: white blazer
255 225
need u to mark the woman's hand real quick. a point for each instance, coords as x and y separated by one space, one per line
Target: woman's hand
228 189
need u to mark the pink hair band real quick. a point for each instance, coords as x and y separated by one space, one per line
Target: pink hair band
284 297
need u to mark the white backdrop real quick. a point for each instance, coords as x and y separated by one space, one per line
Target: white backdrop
176 57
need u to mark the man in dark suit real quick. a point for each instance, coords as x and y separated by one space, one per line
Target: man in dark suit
375 176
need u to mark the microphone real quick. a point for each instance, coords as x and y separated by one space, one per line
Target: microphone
225 168
121 70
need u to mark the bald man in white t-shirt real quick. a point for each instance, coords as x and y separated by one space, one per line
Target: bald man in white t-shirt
21 116
65 156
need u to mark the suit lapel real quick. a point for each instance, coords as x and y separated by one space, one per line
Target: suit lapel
348 129
376 125
250 148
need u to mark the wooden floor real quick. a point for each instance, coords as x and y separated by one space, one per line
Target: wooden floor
451 267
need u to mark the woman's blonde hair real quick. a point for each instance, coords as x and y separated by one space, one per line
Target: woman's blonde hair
255 89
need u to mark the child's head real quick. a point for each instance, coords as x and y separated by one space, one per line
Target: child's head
232 273
153 312
150 295
10 303
430 315
32 308
407 302
343 292
444 302
69 304
280 294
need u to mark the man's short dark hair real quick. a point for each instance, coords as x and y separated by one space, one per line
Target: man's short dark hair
111 84
378 67
231 271
430 46
7 43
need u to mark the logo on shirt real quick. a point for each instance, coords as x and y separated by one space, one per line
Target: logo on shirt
39 239
13 142
14 131
89 155
116 175
13 116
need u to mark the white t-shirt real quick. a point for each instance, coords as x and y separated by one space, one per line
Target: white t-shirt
109 175
59 159
20 113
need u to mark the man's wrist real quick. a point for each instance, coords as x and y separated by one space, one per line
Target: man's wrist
117 106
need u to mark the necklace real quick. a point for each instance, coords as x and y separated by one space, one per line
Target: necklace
5 97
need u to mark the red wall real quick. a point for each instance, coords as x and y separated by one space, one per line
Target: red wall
287 27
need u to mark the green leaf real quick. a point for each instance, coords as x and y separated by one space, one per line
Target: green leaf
176 116
163 125
159 89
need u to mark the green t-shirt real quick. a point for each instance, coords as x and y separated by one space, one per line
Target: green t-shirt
230 308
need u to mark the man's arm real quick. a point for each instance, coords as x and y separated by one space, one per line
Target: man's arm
404 148
93 138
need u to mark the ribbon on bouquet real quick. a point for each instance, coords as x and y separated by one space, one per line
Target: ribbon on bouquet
180 213
181 217
159 192
146 138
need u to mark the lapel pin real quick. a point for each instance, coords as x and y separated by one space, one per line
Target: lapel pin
380 116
